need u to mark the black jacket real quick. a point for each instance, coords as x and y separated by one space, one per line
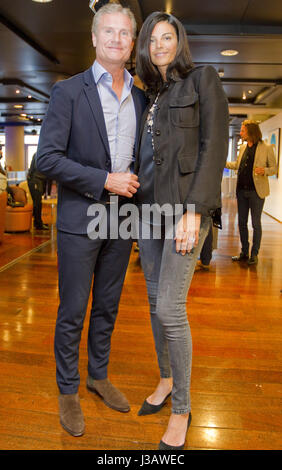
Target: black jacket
191 141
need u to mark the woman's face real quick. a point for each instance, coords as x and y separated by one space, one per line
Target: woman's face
163 46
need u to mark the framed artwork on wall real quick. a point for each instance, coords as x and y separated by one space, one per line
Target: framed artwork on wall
274 140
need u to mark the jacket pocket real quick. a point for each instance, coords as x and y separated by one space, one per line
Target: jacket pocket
186 165
184 110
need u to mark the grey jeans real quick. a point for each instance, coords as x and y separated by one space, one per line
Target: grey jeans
168 277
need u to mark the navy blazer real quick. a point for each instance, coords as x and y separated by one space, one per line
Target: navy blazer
73 147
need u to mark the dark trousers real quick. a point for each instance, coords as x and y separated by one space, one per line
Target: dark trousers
79 259
36 188
249 201
206 251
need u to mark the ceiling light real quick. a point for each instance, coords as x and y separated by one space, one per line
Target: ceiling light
17 91
42 1
29 96
221 72
168 7
250 92
229 52
18 106
244 96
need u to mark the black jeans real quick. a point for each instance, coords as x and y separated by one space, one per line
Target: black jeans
249 200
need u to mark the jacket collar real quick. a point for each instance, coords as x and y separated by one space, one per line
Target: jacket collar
93 98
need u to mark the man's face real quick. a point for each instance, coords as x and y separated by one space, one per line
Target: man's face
113 40
244 132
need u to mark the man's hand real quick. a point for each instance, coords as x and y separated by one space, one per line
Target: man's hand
187 232
259 171
123 184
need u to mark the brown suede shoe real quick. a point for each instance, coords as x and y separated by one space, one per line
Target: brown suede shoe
112 397
71 417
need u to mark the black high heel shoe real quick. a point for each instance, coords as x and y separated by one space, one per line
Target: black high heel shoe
164 446
148 409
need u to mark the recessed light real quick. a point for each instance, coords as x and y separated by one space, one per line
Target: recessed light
17 91
23 115
168 7
250 92
229 52
221 72
244 96
42 1
18 106
29 96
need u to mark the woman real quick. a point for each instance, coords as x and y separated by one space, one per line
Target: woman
180 161
255 163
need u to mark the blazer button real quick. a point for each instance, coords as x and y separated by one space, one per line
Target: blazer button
158 161
158 132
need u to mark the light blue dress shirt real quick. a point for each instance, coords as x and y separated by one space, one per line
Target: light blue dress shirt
120 117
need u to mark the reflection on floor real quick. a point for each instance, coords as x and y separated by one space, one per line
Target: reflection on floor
235 317
16 245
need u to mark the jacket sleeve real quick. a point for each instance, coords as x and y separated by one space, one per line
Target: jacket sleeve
271 166
205 193
235 164
52 153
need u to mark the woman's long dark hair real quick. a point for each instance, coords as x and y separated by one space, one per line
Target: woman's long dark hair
177 69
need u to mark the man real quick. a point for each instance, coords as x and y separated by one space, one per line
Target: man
255 162
36 182
87 145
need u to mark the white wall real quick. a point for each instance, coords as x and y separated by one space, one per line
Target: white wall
273 202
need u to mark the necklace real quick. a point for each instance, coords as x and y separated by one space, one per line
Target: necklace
150 117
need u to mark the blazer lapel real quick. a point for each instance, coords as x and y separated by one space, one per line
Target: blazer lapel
257 154
138 112
140 121
93 98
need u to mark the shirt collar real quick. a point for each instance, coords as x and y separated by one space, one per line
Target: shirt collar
99 71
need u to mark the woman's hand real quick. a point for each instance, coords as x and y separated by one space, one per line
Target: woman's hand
187 232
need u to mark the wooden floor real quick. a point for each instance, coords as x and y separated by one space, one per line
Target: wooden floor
236 322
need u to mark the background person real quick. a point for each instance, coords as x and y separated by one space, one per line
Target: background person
255 162
206 252
2 169
36 183
181 160
3 174
87 144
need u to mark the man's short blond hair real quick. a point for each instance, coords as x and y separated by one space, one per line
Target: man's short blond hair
113 8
